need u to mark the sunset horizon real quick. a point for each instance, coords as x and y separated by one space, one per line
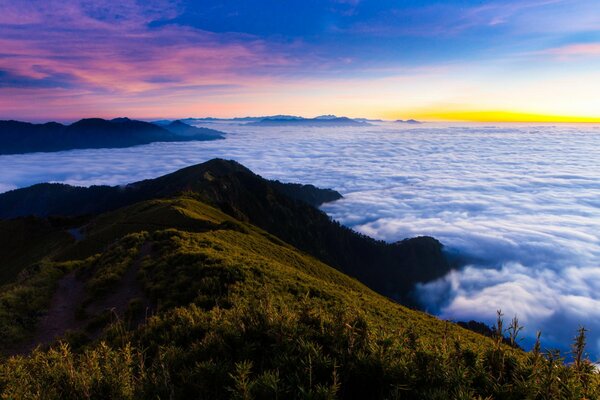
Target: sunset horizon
483 116
516 61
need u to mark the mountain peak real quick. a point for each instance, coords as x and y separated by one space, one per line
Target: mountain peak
408 121
178 122
182 129
216 166
120 119
283 118
327 116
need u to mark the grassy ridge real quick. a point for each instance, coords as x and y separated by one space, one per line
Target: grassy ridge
237 313
284 210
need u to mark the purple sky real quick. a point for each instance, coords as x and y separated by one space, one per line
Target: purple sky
166 58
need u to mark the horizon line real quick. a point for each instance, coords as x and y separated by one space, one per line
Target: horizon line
488 116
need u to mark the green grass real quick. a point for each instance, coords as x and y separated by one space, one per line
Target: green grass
24 301
240 314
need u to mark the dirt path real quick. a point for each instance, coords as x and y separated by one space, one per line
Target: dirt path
61 315
70 295
127 289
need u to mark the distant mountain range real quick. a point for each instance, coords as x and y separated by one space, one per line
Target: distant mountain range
408 121
282 120
22 137
323 120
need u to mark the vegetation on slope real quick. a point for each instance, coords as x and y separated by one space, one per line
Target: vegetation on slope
227 310
284 210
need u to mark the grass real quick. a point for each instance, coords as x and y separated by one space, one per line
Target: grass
239 314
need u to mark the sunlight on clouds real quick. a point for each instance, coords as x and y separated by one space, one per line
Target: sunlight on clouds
506 116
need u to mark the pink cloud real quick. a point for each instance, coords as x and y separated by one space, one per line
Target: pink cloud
79 56
574 50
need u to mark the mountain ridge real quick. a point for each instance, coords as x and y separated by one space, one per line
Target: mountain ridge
18 137
324 120
184 296
284 210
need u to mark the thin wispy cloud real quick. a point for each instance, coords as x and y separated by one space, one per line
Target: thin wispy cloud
80 55
571 51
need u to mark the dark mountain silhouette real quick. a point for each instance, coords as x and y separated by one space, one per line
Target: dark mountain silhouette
283 117
367 120
281 120
22 137
324 120
409 121
182 129
213 119
284 210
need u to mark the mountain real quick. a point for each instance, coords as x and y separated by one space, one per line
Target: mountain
23 137
171 297
284 210
212 119
326 120
409 121
282 120
55 199
367 120
182 129
326 117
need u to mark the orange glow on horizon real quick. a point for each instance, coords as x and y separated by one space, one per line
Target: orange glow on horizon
504 116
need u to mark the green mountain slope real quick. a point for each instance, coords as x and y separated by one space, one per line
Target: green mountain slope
175 299
284 210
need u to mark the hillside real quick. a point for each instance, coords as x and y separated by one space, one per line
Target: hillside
284 210
182 129
28 240
23 137
173 298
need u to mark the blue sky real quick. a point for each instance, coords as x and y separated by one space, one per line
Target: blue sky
377 58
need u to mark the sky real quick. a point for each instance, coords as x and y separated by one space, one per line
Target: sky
504 60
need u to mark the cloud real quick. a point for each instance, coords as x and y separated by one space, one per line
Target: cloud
442 19
49 80
575 50
149 55
518 203
553 301
107 51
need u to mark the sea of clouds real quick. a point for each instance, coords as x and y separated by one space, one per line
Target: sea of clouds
520 205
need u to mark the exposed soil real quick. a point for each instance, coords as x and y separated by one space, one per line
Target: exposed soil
128 288
62 315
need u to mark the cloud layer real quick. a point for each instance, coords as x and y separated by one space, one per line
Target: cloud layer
518 203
